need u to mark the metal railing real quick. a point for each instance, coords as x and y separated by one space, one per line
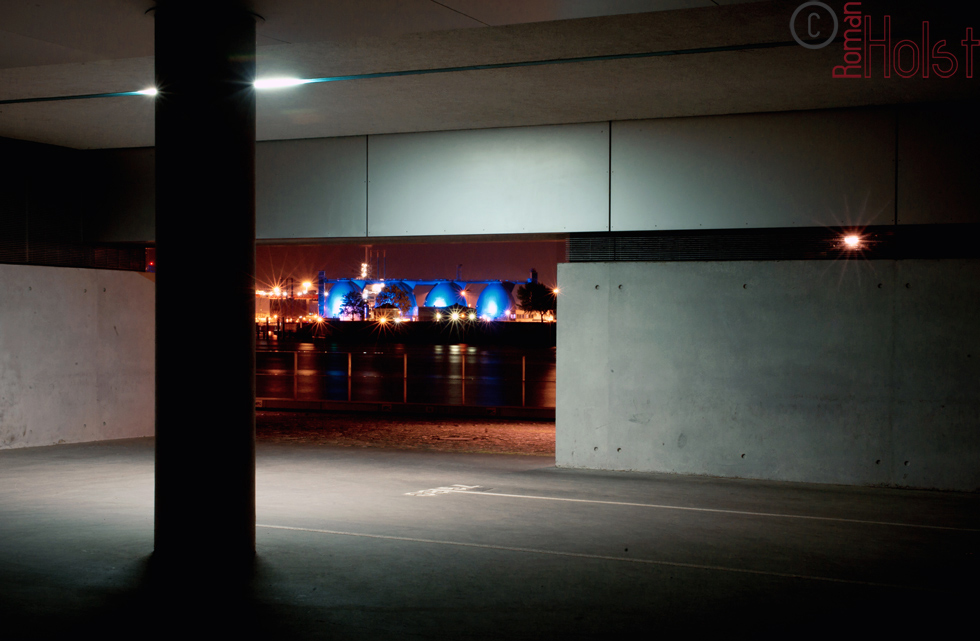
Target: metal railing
388 373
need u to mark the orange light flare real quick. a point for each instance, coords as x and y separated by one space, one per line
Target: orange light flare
384 325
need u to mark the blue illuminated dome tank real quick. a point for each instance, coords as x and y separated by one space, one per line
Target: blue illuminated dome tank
445 295
495 301
335 297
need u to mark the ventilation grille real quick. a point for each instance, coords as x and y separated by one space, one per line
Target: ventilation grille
61 254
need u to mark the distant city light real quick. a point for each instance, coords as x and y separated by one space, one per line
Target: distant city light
278 83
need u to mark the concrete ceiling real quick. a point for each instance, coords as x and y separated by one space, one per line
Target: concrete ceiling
65 47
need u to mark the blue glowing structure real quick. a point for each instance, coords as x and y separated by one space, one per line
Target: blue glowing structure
330 304
495 302
445 294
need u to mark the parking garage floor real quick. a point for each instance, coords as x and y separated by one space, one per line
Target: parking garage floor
372 543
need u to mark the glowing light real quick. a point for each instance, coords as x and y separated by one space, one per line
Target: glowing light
852 241
556 290
440 302
472 316
275 291
398 320
454 316
151 91
438 316
382 320
278 83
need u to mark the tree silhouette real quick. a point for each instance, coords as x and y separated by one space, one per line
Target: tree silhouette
394 297
536 298
353 304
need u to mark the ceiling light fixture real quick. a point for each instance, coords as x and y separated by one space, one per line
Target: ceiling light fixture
278 83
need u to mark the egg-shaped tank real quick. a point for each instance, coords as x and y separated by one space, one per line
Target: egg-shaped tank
335 297
445 295
495 301
404 287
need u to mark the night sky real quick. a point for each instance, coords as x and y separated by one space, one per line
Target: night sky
498 260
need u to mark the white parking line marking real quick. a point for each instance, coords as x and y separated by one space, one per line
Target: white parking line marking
464 489
674 564
443 490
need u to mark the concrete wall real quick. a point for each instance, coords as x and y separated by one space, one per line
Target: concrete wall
120 187
311 188
76 355
853 167
856 372
796 169
490 181
40 188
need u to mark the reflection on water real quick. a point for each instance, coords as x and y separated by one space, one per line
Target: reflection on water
454 374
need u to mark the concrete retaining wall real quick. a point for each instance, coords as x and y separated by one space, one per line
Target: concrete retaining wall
854 372
76 355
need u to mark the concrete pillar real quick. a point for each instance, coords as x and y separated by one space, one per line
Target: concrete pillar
205 284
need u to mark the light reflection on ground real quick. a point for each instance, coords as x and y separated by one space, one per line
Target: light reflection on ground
536 438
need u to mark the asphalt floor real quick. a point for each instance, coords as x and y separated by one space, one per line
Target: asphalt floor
366 542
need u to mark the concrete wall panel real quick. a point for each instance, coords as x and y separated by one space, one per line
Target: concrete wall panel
122 206
938 164
847 372
76 355
311 188
492 181
798 169
818 168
